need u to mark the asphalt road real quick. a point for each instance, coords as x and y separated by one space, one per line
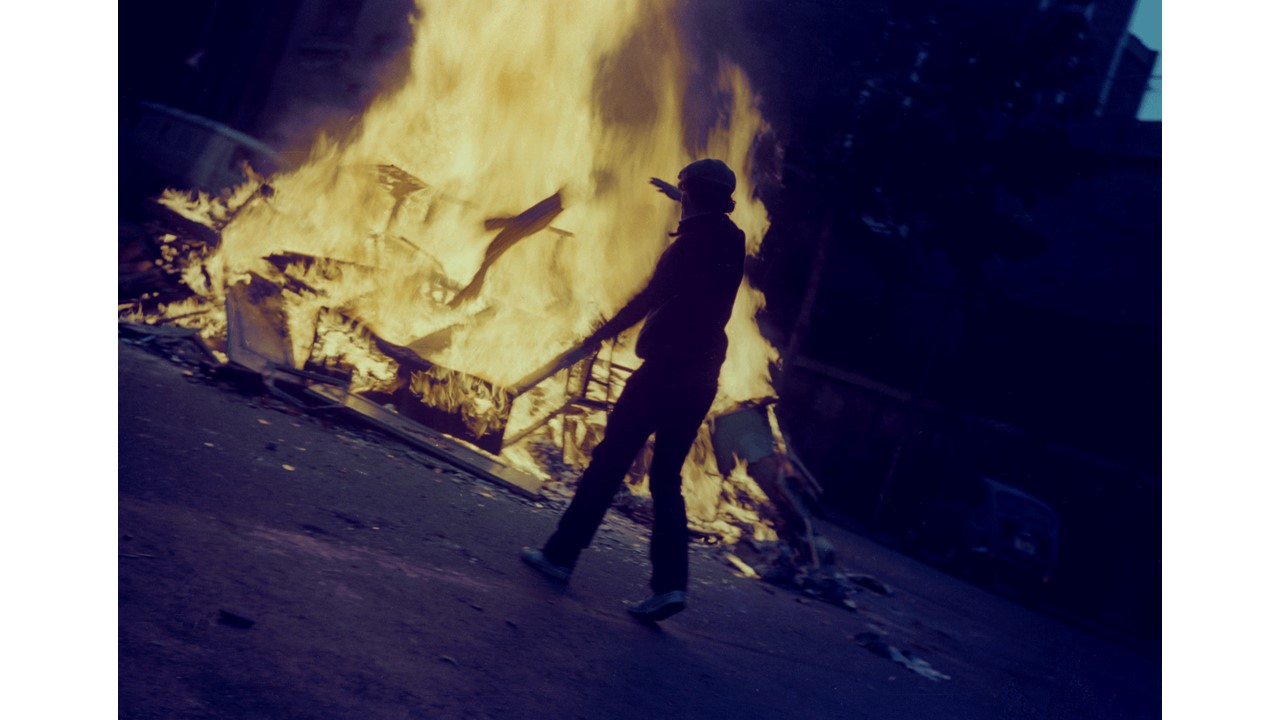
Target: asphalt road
275 564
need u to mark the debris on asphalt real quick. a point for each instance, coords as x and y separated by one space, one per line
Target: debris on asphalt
916 665
873 642
183 343
871 584
783 565
235 620
876 644
744 568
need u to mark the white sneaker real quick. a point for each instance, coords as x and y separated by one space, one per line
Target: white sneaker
658 607
539 562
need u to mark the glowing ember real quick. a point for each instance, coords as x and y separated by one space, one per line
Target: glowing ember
489 212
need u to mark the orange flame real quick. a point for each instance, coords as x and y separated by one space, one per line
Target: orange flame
501 109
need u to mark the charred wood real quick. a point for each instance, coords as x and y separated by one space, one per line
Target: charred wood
513 230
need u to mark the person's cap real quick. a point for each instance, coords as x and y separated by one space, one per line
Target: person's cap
711 171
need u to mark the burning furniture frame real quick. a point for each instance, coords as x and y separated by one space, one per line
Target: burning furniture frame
427 404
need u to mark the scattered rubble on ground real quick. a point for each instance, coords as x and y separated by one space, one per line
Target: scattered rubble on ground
800 560
781 565
876 644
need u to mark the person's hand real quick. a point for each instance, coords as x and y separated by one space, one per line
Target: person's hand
595 338
665 188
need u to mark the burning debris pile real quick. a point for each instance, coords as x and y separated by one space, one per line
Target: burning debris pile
436 271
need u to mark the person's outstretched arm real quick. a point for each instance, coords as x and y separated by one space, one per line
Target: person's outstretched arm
630 314
666 188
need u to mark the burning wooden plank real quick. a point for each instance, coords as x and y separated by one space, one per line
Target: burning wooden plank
430 398
465 406
257 333
399 183
456 403
572 356
181 225
433 443
514 229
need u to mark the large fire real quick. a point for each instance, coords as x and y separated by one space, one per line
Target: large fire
487 215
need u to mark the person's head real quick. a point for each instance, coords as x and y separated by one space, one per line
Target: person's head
707 185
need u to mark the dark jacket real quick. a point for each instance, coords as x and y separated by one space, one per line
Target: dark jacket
691 297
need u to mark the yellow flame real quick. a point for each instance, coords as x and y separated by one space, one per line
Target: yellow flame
502 108
345 346
481 406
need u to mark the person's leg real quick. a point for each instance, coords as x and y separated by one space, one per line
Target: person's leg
627 429
683 413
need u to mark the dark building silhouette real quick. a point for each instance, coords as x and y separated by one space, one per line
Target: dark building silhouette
338 56
964 267
279 71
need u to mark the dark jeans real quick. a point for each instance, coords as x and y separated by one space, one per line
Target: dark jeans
671 409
